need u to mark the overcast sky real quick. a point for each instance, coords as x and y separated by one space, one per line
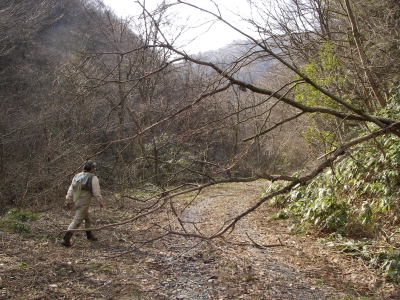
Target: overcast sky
216 37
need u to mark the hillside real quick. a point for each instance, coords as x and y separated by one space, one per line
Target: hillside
254 69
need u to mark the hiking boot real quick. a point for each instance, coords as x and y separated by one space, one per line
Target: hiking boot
66 241
90 236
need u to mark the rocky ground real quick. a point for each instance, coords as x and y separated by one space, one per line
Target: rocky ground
35 266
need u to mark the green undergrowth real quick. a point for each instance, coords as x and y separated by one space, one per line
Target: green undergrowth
359 193
356 199
16 220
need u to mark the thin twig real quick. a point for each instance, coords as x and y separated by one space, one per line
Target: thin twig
262 246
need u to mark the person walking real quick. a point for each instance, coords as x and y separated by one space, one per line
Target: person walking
84 185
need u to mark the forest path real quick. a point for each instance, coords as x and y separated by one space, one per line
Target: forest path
36 266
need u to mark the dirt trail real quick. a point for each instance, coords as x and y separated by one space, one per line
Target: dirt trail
35 266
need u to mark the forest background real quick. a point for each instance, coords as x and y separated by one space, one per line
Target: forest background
308 99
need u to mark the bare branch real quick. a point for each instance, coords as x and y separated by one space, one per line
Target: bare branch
360 116
294 69
307 178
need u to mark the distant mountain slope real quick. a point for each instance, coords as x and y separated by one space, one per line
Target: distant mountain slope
251 63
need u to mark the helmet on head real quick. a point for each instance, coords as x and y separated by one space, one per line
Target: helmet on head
89 165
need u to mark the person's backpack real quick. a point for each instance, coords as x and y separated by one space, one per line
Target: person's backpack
83 181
